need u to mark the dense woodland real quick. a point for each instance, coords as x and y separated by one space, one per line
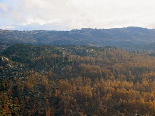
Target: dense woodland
131 38
76 81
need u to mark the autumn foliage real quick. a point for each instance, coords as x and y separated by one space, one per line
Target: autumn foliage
79 81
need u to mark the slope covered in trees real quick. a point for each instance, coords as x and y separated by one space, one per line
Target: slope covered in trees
131 38
76 80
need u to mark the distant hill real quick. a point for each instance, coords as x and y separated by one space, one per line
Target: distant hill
131 38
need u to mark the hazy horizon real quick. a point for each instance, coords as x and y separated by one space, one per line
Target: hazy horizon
12 29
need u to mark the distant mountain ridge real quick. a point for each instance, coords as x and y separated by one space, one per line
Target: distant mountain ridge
118 37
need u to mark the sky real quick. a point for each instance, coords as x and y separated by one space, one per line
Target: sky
76 14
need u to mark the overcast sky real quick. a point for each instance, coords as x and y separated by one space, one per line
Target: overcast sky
76 14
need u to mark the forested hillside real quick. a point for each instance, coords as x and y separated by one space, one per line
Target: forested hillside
76 80
131 38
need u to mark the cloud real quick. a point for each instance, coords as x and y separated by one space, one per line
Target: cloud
76 14
17 16
37 21
3 7
6 27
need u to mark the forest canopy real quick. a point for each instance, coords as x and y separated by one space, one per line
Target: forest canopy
76 80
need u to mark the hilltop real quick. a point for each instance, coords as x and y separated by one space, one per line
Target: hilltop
132 38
